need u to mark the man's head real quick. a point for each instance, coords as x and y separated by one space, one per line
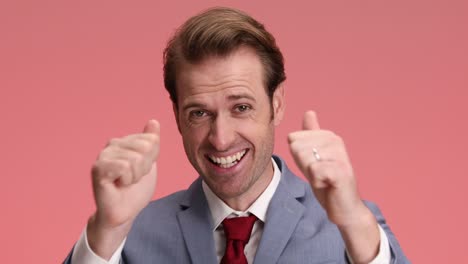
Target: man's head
224 71
218 32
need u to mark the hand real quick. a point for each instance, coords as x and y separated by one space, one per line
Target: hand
124 178
331 178
333 182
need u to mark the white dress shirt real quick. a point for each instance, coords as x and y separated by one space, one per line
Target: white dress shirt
220 210
82 253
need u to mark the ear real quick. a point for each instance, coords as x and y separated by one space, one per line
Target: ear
278 105
176 115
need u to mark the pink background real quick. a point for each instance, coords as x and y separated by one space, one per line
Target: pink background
389 76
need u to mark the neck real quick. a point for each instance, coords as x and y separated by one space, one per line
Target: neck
244 200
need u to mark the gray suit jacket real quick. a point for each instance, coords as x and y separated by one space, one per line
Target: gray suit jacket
178 229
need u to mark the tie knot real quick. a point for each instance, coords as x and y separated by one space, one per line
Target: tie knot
239 228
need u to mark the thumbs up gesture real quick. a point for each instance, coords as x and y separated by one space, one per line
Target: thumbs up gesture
322 158
124 178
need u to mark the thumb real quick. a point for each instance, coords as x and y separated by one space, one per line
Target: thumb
310 121
152 127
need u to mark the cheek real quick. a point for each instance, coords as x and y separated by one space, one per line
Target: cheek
193 138
255 132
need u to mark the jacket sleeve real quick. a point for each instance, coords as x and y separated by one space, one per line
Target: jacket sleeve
398 257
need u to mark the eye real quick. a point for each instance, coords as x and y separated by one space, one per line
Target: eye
198 113
242 108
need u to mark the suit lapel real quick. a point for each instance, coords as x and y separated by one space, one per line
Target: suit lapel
284 212
196 224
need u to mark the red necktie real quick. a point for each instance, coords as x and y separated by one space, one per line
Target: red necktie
237 232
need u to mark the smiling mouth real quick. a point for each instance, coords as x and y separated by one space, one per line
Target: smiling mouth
228 161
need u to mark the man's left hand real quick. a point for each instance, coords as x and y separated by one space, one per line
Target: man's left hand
321 156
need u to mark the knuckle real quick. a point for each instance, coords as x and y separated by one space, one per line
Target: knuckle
96 169
146 146
147 143
136 162
125 179
137 159
102 156
102 170
329 134
297 153
153 139
316 183
314 167
113 141
124 166
339 139
99 167
293 146
325 132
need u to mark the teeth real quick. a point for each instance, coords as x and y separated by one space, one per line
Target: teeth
229 161
228 165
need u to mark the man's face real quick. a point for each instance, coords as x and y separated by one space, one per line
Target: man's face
225 119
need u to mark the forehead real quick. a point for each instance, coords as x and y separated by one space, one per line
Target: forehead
239 72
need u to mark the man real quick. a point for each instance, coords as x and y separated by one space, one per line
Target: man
224 72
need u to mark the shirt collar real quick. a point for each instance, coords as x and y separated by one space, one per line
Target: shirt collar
220 210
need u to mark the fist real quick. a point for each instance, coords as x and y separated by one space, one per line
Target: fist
124 176
322 158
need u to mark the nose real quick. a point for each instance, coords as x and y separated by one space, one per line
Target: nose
222 133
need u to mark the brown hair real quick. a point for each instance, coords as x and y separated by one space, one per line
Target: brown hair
218 32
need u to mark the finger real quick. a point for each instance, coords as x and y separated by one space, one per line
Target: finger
124 171
327 150
140 164
310 121
311 136
152 126
107 171
142 143
136 163
146 144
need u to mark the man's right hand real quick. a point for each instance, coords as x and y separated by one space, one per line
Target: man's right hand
124 178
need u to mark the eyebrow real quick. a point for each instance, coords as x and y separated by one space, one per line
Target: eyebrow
232 97
193 105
